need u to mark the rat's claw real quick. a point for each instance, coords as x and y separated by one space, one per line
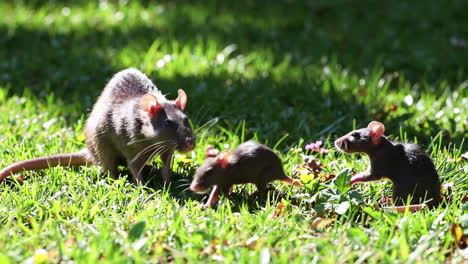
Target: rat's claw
204 206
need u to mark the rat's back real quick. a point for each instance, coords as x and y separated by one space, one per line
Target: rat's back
252 150
128 84
117 107
252 160
420 177
420 162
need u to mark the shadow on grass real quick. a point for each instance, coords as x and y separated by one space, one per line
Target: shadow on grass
180 183
417 37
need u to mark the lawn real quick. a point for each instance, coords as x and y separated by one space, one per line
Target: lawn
285 73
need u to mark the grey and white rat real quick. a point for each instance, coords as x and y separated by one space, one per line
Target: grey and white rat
131 122
410 169
251 162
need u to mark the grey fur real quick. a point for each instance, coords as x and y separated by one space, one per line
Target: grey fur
115 128
119 132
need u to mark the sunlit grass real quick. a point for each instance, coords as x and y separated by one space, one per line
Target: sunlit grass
285 74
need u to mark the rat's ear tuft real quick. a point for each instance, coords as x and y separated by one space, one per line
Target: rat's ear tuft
376 131
181 100
149 104
374 123
223 158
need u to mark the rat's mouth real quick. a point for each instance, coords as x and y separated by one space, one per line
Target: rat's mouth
197 188
187 146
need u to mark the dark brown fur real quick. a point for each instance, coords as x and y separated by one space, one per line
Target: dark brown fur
251 162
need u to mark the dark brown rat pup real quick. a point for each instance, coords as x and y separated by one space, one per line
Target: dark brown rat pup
251 162
410 169
131 122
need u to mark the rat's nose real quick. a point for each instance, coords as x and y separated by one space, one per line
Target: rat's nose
338 143
195 187
186 145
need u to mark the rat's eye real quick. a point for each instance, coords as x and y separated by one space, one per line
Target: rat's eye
169 123
355 135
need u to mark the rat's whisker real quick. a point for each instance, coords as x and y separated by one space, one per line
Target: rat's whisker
148 149
207 125
151 156
204 114
185 185
185 190
195 119
143 152
139 141
152 148
182 180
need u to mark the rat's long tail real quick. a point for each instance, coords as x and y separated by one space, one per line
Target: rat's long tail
79 158
290 180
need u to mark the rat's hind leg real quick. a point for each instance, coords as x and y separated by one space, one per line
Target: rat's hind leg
105 155
137 169
111 165
271 174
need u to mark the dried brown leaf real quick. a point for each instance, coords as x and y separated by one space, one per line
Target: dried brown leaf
320 223
251 243
460 239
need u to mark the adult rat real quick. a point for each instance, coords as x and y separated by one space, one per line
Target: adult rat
251 162
131 122
410 169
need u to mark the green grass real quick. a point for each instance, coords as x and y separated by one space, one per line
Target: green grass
283 72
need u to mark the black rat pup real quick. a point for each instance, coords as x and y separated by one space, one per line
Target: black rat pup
410 169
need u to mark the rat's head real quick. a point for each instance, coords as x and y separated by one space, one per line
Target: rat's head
167 121
211 172
362 140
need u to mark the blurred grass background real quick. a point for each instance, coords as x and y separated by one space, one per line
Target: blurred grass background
284 66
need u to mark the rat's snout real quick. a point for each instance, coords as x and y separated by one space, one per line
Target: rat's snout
187 145
197 188
339 143
342 144
194 187
190 143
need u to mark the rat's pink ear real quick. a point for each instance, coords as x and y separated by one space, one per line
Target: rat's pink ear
181 100
223 158
376 131
149 104
211 152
